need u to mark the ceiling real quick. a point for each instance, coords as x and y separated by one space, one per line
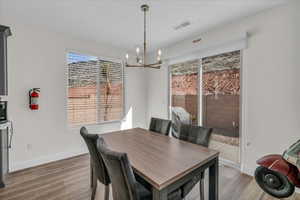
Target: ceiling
120 22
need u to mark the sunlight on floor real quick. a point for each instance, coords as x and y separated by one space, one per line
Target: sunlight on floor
228 152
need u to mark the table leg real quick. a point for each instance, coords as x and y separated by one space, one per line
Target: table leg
159 194
214 180
91 173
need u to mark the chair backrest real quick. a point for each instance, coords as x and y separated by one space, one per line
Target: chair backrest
121 174
92 141
195 134
160 125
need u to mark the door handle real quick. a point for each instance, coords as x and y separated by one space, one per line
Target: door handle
234 124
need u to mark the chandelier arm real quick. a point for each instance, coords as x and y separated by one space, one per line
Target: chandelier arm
127 65
153 64
156 65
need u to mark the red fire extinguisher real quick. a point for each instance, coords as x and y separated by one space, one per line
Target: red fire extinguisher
34 95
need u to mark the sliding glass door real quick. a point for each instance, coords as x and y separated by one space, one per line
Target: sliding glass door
206 92
221 102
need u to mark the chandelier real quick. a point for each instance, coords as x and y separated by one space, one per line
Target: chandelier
141 59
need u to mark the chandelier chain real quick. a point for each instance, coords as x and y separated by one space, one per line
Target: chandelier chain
145 45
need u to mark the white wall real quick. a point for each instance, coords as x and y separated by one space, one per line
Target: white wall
270 82
37 58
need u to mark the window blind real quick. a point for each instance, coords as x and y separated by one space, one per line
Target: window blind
95 90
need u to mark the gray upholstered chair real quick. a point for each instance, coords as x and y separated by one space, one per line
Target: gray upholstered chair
98 169
160 125
124 184
197 135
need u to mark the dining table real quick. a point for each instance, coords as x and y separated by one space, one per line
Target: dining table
165 163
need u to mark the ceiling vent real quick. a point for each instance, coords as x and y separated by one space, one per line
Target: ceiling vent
182 25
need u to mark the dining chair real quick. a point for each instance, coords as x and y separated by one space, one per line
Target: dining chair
196 135
160 125
124 184
98 169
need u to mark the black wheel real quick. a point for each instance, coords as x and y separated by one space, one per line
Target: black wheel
274 183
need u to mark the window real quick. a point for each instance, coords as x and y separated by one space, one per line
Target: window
95 90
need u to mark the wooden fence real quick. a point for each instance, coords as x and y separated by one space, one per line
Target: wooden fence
220 112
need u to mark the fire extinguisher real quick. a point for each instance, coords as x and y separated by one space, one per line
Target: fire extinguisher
34 95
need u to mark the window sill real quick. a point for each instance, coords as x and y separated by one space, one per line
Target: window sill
73 127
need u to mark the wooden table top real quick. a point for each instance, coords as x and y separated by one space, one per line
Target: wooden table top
161 160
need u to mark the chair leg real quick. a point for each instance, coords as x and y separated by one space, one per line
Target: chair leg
201 188
106 193
94 189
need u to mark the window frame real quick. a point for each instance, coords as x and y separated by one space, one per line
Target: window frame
104 58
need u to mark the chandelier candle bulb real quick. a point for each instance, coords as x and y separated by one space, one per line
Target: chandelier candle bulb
159 52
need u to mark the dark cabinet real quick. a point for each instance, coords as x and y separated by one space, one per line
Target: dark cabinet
3 155
4 33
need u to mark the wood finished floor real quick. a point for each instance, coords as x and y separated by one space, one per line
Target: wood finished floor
69 180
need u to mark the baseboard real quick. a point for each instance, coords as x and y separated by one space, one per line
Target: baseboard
247 171
43 160
244 170
229 163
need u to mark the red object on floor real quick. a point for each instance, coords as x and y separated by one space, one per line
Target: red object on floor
277 163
